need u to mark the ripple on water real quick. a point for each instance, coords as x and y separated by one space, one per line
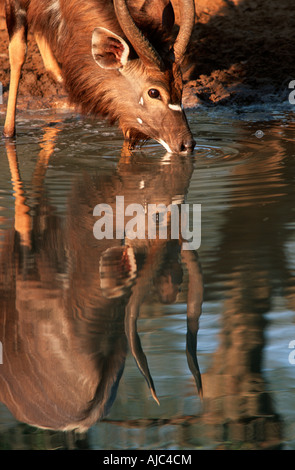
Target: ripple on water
215 152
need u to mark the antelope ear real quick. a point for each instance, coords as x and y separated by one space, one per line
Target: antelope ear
109 50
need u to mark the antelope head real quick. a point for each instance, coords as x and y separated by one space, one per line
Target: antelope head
148 93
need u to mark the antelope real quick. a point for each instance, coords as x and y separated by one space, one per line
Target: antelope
116 61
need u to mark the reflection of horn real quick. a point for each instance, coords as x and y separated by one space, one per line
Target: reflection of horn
141 288
131 315
194 309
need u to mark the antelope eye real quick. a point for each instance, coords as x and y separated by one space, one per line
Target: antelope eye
154 93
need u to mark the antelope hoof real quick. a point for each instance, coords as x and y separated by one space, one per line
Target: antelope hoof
8 133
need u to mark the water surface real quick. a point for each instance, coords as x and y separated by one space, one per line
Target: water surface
64 294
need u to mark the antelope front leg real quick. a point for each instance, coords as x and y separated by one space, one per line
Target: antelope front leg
17 56
22 218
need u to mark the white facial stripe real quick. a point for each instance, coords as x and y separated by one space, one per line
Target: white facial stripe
139 120
166 146
141 101
175 107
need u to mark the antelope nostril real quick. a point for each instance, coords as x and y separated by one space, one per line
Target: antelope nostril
187 145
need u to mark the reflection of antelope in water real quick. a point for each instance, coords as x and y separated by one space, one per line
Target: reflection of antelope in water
64 331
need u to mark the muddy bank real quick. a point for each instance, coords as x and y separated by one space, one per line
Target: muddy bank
241 53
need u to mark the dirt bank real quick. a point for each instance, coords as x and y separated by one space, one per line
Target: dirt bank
242 52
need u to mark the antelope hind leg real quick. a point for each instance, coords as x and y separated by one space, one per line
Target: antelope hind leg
17 29
49 60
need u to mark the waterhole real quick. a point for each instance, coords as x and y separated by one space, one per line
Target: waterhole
63 294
